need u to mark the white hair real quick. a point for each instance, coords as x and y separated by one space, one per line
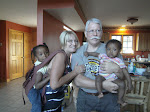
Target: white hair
94 20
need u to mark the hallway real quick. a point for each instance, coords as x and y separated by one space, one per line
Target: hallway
11 98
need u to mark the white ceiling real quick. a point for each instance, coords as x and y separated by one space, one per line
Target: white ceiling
69 16
112 13
23 12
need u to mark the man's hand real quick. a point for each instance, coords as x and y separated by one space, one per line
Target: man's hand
109 67
110 86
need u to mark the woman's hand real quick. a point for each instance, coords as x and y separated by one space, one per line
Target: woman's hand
109 67
79 69
110 86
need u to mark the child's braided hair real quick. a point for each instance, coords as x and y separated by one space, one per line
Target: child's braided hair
33 51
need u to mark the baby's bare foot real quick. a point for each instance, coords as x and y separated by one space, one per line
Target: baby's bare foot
100 95
122 103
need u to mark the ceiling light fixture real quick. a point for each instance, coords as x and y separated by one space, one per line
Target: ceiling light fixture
132 20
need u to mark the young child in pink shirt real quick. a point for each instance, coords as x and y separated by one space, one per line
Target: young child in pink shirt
113 48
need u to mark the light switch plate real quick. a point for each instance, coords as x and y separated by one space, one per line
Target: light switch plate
0 44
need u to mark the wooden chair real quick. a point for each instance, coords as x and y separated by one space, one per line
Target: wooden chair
140 93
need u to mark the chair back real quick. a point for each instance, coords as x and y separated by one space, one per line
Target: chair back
140 94
141 87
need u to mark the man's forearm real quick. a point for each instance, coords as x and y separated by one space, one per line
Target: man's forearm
84 82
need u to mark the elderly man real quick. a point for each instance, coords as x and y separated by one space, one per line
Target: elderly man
87 99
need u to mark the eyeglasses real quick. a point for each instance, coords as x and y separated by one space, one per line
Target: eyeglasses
71 41
92 31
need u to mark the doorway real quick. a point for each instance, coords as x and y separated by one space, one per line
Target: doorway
15 54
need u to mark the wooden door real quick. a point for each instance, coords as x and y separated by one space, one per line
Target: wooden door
15 54
27 52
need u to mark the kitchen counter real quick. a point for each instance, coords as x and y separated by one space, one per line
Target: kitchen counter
145 63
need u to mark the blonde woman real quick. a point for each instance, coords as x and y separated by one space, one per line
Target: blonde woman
61 73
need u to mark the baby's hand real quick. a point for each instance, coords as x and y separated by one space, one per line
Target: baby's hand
86 54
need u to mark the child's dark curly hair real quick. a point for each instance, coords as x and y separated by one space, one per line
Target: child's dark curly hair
114 41
33 51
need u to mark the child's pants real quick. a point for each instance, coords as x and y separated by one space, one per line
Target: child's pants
35 99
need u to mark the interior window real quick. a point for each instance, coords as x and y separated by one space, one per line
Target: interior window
127 46
117 37
127 42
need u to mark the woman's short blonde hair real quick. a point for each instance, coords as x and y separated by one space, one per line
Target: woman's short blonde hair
64 37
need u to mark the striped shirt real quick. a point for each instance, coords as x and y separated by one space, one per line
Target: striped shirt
116 60
55 97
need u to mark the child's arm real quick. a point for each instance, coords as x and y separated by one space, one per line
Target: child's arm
95 54
39 81
128 78
120 74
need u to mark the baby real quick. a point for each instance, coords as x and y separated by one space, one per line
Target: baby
113 48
